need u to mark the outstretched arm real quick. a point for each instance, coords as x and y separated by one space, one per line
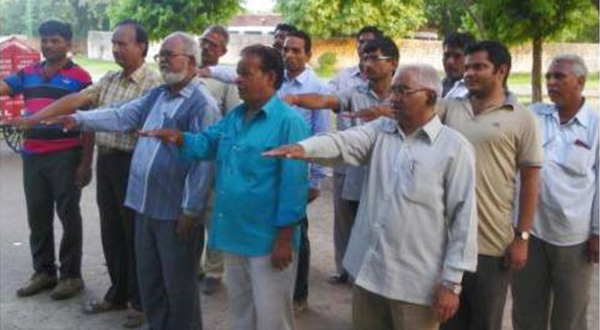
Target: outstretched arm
313 101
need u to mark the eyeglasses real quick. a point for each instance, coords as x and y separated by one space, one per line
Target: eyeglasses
404 91
167 55
375 57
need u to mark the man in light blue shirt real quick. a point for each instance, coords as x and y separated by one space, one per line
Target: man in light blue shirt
168 195
564 239
298 80
416 229
259 202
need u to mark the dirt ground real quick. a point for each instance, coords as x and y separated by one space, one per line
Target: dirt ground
329 305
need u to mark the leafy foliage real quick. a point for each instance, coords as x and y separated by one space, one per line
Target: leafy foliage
24 16
333 18
162 17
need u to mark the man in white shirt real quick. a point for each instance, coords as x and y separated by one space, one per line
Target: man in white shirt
564 238
416 229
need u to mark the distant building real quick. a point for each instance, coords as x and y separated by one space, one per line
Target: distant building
254 24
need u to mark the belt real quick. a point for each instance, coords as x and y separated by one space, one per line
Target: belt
112 151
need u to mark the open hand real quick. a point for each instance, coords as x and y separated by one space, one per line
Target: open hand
172 136
445 303
185 227
67 122
294 151
370 113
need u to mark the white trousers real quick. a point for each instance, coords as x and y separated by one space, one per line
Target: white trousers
260 296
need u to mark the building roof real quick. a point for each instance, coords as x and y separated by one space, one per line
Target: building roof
256 20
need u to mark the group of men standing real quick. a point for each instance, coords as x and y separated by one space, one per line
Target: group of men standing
436 182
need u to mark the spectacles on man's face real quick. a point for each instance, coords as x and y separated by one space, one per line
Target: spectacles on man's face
375 57
167 56
404 91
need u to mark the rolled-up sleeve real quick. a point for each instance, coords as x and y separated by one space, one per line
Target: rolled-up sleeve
293 183
461 215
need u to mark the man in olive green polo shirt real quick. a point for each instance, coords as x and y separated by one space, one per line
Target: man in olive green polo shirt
506 141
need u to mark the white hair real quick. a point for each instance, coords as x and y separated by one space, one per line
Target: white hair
425 74
191 46
578 67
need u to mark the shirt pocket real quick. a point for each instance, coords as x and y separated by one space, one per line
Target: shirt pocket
576 160
422 184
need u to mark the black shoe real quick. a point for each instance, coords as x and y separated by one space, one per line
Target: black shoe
339 279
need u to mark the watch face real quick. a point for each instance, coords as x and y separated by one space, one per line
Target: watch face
525 235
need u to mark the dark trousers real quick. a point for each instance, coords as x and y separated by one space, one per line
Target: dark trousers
167 274
117 225
301 287
483 297
49 181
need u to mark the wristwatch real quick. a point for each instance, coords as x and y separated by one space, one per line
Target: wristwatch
456 288
522 235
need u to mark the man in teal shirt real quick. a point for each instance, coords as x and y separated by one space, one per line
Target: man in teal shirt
259 201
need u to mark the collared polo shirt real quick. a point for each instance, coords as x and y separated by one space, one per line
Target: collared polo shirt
113 88
567 212
39 91
416 223
505 138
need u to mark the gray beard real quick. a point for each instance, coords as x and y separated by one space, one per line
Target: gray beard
171 78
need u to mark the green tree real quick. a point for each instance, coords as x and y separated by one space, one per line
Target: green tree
162 17
333 18
23 16
535 21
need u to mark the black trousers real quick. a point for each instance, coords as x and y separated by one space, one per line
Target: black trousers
49 182
301 287
117 225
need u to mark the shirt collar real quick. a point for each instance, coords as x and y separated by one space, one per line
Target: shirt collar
431 129
269 108
355 71
301 79
582 117
69 64
139 74
187 91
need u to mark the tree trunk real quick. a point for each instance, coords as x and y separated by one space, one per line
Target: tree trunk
476 18
536 72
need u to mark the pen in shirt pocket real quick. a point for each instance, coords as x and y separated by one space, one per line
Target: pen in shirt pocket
582 144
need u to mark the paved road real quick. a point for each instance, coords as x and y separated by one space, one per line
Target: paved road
330 306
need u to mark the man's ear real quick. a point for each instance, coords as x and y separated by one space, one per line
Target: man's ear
308 56
431 98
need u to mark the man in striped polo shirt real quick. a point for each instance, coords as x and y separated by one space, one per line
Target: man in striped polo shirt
56 165
115 150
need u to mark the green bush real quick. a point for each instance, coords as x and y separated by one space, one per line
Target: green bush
327 63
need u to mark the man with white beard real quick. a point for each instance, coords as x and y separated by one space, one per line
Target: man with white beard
167 194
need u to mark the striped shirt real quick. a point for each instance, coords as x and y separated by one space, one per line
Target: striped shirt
39 91
115 88
161 185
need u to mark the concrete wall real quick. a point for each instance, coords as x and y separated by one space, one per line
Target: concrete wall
99 47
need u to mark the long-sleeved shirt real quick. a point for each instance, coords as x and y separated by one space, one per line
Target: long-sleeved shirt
347 79
417 222
160 184
255 196
318 120
567 212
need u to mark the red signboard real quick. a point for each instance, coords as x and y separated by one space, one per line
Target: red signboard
14 55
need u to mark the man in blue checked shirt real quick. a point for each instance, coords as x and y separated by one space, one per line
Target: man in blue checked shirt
259 201
168 195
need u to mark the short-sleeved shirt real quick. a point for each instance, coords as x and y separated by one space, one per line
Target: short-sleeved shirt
505 138
39 91
353 100
115 88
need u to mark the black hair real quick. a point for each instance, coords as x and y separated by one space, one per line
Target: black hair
370 29
386 45
54 27
270 60
304 36
141 36
497 53
285 27
459 40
